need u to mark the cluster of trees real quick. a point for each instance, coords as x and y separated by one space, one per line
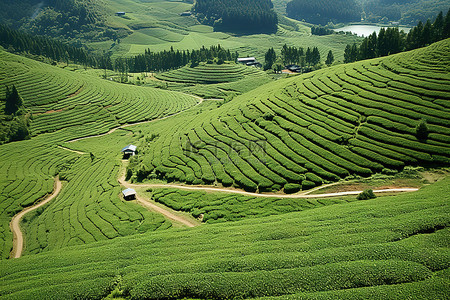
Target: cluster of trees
293 56
391 40
237 15
14 122
382 10
320 30
167 60
17 41
66 18
323 11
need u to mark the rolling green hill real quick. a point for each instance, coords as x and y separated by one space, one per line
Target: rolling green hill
213 81
391 247
349 120
66 105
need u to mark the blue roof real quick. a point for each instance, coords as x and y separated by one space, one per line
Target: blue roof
129 148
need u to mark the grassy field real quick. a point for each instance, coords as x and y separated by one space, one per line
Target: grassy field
65 105
346 121
157 25
395 247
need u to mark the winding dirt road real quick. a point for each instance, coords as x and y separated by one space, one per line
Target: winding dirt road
18 240
147 204
240 192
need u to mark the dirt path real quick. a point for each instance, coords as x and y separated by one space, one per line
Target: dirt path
200 101
18 239
148 204
240 192
71 150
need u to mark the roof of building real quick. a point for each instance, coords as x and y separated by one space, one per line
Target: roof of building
128 192
245 59
129 148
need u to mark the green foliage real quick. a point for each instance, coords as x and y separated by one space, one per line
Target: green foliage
270 58
290 188
66 105
422 130
237 15
356 250
19 41
330 58
346 120
13 101
391 40
322 12
366 195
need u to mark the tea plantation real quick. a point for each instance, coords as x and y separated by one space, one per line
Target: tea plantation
222 207
349 120
391 247
64 106
214 81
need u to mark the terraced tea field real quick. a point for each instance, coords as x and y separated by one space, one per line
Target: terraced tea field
65 106
359 250
349 120
214 81
209 73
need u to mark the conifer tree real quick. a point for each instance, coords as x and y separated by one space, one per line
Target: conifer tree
330 58
13 100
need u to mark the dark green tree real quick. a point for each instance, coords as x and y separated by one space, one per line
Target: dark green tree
270 58
366 195
315 56
330 58
422 130
13 100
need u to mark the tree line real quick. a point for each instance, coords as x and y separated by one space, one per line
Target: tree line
18 41
324 11
294 56
320 30
237 15
167 60
391 40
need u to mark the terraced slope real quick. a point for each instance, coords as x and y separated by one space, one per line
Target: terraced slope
355 119
360 250
64 106
60 99
209 73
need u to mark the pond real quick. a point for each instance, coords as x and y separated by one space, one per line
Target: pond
366 30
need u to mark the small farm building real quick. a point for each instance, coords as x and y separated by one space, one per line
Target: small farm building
186 14
294 68
129 151
246 60
129 194
120 13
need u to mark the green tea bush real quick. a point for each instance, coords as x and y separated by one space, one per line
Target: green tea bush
366 195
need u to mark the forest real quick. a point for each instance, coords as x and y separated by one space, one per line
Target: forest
243 16
42 46
322 11
391 40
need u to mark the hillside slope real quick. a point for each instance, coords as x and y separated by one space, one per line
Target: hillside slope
65 105
367 249
354 119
